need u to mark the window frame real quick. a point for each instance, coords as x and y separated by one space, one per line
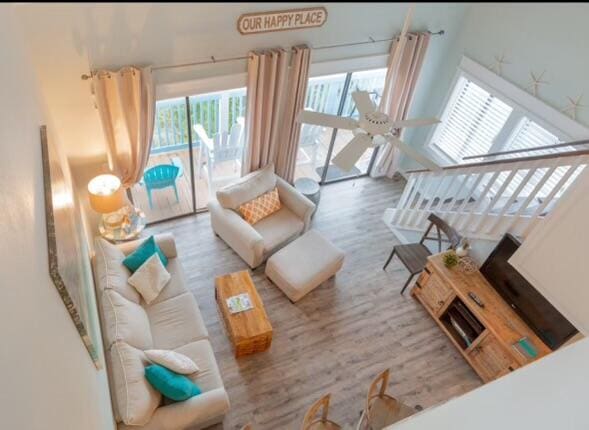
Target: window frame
523 103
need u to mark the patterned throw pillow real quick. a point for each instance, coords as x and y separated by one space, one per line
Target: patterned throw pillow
260 207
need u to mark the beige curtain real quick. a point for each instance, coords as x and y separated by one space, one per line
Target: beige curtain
267 75
125 100
295 101
398 91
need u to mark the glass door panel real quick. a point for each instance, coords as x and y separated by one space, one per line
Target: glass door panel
217 121
166 190
324 95
373 82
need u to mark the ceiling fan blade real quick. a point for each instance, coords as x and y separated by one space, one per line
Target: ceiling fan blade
363 102
417 122
351 153
415 154
327 120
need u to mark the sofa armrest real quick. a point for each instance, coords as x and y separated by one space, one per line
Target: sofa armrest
295 201
208 407
165 241
238 234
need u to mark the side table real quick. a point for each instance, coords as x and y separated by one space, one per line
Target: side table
310 189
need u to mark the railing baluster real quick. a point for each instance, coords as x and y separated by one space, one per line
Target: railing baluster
426 189
467 197
439 178
404 197
407 207
444 195
550 168
497 197
557 187
168 118
481 200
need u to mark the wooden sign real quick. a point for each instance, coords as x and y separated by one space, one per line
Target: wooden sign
281 20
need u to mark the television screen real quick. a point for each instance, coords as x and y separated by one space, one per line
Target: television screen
530 305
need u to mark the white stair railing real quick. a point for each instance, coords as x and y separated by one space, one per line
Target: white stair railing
490 198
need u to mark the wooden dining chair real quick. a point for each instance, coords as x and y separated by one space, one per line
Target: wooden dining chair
314 422
382 410
414 255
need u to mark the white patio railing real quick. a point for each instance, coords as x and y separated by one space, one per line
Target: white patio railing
217 112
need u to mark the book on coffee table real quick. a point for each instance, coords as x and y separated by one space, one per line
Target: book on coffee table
239 303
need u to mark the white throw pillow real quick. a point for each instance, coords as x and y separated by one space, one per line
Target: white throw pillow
174 361
150 278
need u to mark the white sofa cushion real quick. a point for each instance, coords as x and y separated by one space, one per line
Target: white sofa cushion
135 398
110 271
176 322
279 228
247 188
125 320
201 352
177 284
304 264
172 360
150 278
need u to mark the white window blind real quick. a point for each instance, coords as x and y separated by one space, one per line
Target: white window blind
471 121
529 134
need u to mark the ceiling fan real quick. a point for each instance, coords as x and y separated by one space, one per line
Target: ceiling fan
373 128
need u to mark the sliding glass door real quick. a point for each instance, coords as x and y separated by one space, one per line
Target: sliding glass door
166 188
318 145
198 143
191 159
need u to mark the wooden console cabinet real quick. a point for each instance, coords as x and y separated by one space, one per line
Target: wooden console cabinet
485 336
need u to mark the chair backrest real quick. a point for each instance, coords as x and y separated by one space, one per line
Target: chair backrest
321 407
228 147
378 387
453 236
160 175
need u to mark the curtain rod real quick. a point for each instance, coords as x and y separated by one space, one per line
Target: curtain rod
214 60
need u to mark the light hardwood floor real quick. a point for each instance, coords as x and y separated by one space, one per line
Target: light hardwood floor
340 336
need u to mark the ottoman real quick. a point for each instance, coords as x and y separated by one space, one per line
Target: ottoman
304 264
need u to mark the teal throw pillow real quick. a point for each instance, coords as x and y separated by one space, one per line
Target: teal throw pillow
136 259
170 384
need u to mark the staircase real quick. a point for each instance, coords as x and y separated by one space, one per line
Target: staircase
489 198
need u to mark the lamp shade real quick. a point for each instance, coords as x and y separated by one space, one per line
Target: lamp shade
106 194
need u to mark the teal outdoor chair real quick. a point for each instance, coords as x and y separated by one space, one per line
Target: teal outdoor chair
160 176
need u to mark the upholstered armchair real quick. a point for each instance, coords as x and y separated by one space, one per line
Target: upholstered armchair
255 243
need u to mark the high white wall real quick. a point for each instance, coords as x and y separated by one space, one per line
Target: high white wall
546 395
48 379
533 37
67 40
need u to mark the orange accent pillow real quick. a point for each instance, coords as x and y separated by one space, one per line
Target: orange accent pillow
260 207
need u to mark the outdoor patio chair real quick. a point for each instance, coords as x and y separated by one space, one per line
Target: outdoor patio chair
158 177
223 147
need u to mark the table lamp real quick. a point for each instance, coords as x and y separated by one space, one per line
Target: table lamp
107 197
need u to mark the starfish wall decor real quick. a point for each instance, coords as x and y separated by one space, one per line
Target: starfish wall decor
536 82
497 66
573 106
